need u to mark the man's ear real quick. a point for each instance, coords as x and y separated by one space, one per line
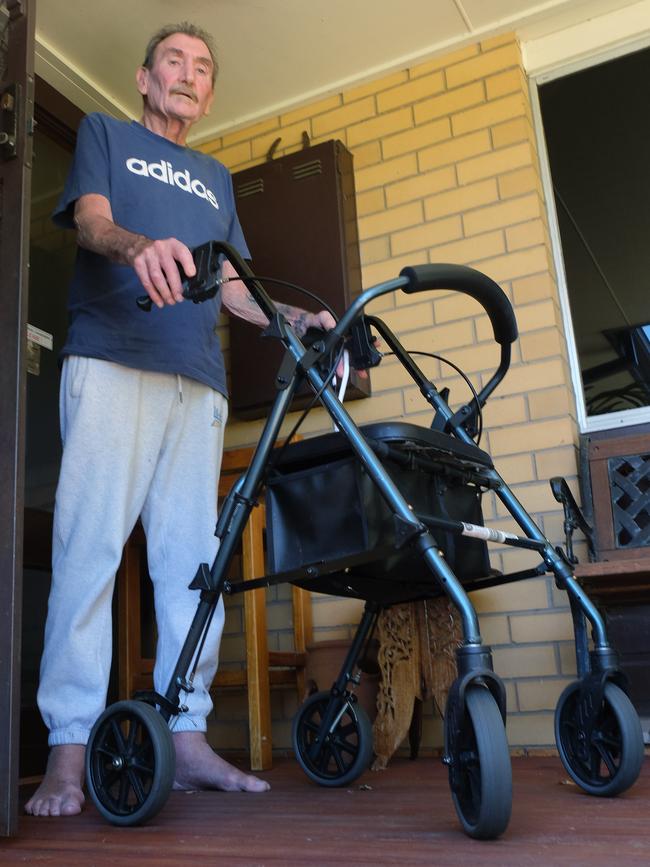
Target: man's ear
208 105
142 79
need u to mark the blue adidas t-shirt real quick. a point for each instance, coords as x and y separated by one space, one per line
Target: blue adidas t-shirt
158 189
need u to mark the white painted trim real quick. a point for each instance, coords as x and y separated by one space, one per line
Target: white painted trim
572 48
586 424
558 258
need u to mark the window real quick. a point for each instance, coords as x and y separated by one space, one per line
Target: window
597 132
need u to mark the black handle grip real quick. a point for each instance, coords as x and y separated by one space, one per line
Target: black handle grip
479 286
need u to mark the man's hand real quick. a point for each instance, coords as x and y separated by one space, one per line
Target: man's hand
155 262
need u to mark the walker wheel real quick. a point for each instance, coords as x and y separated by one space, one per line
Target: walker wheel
480 774
130 763
608 761
340 755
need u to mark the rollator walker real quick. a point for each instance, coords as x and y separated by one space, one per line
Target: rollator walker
386 513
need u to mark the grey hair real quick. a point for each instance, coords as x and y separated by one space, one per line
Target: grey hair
187 29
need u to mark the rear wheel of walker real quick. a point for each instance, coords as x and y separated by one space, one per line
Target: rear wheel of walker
481 774
609 760
130 763
344 753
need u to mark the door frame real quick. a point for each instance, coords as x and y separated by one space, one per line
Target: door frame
15 189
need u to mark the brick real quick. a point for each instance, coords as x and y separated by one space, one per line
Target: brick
389 376
531 730
483 65
469 249
450 102
533 436
518 264
525 661
540 694
499 412
456 306
476 358
549 626
373 274
251 132
520 596
234 155
505 83
375 250
461 199
310 110
489 114
375 86
459 148
386 172
521 181
557 462
332 135
380 127
444 337
496 41
534 288
494 163
420 236
543 344
494 629
527 234
344 116
416 138
503 214
390 220
412 91
445 59
516 468
366 155
381 408
410 318
370 202
531 317
511 132
532 376
420 186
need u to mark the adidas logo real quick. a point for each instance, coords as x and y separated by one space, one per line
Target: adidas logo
164 172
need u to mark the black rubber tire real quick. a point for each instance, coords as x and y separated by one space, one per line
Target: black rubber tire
130 763
347 751
483 797
615 756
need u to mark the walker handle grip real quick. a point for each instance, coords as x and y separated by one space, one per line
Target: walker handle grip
479 286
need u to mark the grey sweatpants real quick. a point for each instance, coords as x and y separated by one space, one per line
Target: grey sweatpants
143 444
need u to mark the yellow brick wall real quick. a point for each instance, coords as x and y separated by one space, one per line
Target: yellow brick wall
446 169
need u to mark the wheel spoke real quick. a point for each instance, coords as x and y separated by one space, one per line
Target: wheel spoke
117 735
136 786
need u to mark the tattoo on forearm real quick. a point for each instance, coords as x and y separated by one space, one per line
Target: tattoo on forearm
296 316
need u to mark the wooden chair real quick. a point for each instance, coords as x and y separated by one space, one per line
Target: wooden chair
264 668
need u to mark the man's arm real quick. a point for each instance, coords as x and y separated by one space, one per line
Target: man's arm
155 262
239 301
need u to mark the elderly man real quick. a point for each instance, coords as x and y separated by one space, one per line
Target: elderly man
143 408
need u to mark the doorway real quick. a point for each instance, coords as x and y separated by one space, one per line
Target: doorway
51 258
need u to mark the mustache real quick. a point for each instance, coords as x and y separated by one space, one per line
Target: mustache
185 91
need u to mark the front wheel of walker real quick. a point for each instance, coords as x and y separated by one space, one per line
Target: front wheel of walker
130 763
480 773
339 755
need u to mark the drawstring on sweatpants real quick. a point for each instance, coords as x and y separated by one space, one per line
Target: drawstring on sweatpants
180 387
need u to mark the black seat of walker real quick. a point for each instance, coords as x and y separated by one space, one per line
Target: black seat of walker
403 435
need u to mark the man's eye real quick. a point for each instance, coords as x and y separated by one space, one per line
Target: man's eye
202 70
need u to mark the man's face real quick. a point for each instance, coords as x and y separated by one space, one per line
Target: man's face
179 84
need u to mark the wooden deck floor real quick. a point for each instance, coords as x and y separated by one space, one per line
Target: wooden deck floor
403 815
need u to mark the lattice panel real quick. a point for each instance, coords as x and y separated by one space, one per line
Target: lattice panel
630 486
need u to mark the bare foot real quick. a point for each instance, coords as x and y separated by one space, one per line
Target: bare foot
199 767
60 793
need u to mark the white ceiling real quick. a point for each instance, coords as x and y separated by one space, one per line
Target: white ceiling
274 54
